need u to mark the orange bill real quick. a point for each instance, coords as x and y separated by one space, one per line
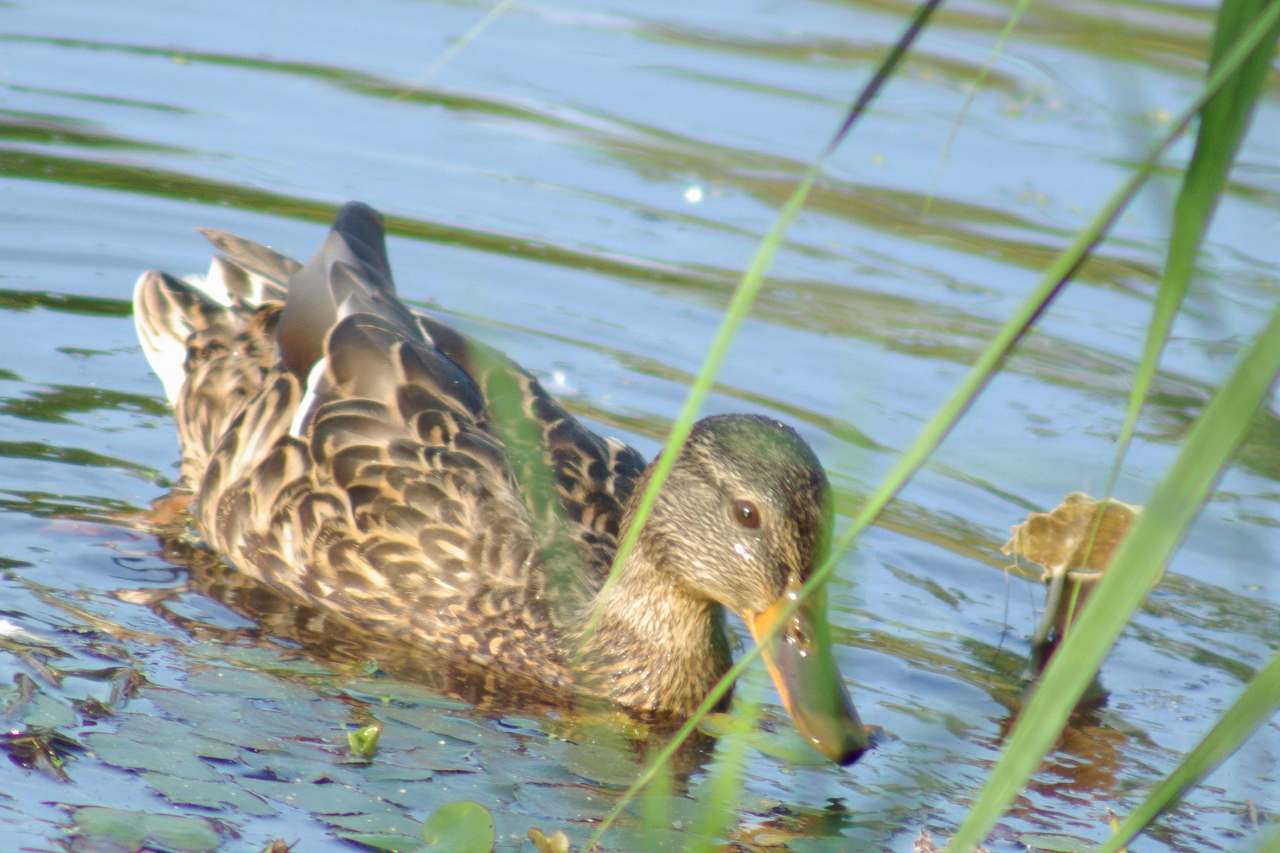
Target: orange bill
801 662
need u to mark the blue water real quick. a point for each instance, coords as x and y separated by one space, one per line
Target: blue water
587 182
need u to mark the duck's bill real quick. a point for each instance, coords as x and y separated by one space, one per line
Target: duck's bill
800 659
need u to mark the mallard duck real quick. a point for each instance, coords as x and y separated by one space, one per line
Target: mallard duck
374 462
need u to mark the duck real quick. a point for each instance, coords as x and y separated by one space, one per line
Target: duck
368 460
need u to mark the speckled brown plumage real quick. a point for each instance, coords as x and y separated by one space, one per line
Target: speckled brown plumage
376 463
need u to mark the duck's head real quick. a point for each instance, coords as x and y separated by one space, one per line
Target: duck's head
743 520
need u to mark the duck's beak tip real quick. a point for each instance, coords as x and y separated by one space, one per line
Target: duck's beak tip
850 752
803 667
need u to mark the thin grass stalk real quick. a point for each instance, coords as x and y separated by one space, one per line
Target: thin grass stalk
655 811
453 51
1222 126
741 303
945 418
744 297
974 88
1253 708
717 804
1135 569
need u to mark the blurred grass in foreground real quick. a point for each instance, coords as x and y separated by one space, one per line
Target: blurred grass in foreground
1243 45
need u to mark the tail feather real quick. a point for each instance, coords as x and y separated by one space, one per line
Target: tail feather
262 274
166 311
210 347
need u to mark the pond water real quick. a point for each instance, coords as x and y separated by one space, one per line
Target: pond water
581 185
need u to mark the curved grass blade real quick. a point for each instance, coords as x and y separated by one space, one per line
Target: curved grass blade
1254 707
739 306
1135 569
743 298
947 416
1223 122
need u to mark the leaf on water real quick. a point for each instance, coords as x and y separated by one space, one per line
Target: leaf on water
461 729
241 682
304 763
562 803
364 741
133 830
48 712
149 729
1059 540
329 798
597 753
557 842
385 823
123 751
209 795
384 771
391 843
461 827
379 691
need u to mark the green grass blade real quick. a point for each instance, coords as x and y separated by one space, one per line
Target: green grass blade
1222 125
946 417
655 810
1254 707
744 297
741 303
716 808
1135 569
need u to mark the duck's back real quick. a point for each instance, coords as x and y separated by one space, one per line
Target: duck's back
374 461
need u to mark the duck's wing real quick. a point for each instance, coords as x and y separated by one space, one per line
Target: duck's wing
572 481
367 468
571 478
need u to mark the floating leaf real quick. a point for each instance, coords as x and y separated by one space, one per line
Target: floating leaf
461 827
322 797
123 751
209 795
139 829
378 823
391 843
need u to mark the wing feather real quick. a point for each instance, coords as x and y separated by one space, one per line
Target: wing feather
349 451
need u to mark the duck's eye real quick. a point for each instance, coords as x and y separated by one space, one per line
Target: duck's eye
746 514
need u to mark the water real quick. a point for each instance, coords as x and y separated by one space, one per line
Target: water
581 186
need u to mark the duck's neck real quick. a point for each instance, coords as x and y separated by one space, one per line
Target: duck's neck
656 647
